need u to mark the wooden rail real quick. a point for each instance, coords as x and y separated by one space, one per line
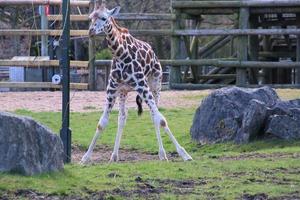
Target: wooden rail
77 86
160 32
123 16
219 63
217 76
27 32
234 4
41 2
226 11
41 63
77 33
235 32
189 86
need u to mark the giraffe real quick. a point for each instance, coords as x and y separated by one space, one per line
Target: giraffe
134 67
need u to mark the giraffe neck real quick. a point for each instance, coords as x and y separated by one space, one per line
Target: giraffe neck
114 35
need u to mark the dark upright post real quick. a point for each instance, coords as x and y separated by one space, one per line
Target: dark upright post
92 69
253 50
297 70
241 74
65 132
175 72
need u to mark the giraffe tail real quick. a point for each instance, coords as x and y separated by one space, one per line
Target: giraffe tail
139 102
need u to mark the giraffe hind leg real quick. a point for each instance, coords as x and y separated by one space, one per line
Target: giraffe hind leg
148 98
180 150
160 121
156 88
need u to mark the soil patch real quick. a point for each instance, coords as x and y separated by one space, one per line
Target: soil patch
148 189
271 156
102 155
145 189
263 196
292 196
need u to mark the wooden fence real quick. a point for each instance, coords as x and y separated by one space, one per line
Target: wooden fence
245 34
82 65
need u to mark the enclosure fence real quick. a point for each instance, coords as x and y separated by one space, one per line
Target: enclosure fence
252 36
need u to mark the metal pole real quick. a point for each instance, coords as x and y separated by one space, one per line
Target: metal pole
92 69
297 71
65 132
44 39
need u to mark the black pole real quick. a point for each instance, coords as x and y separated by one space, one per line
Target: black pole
65 132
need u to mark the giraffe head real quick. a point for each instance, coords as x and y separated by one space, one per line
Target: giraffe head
100 17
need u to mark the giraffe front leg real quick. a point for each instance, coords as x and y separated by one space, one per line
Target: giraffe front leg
103 122
148 98
121 123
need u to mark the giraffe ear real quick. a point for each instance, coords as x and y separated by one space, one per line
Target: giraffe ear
115 11
93 15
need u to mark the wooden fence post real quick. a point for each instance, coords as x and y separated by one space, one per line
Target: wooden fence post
92 70
241 74
44 42
196 71
297 71
175 72
253 50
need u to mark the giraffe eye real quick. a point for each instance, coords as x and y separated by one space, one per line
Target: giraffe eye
103 18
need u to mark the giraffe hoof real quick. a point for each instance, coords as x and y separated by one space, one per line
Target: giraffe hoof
85 159
184 155
114 158
162 155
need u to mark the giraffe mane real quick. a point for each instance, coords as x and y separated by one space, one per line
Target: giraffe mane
121 29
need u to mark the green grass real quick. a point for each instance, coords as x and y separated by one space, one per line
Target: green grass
138 133
214 173
226 179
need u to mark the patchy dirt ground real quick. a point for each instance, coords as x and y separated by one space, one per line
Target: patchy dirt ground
84 101
145 188
103 154
248 156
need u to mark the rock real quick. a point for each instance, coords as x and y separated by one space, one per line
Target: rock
284 127
220 115
253 121
290 107
27 147
284 120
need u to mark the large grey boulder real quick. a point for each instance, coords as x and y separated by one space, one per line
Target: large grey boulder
221 115
239 114
27 147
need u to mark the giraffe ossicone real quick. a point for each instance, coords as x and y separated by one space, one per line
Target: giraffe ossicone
135 67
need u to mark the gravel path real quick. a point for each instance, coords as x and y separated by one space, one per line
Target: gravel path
84 101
